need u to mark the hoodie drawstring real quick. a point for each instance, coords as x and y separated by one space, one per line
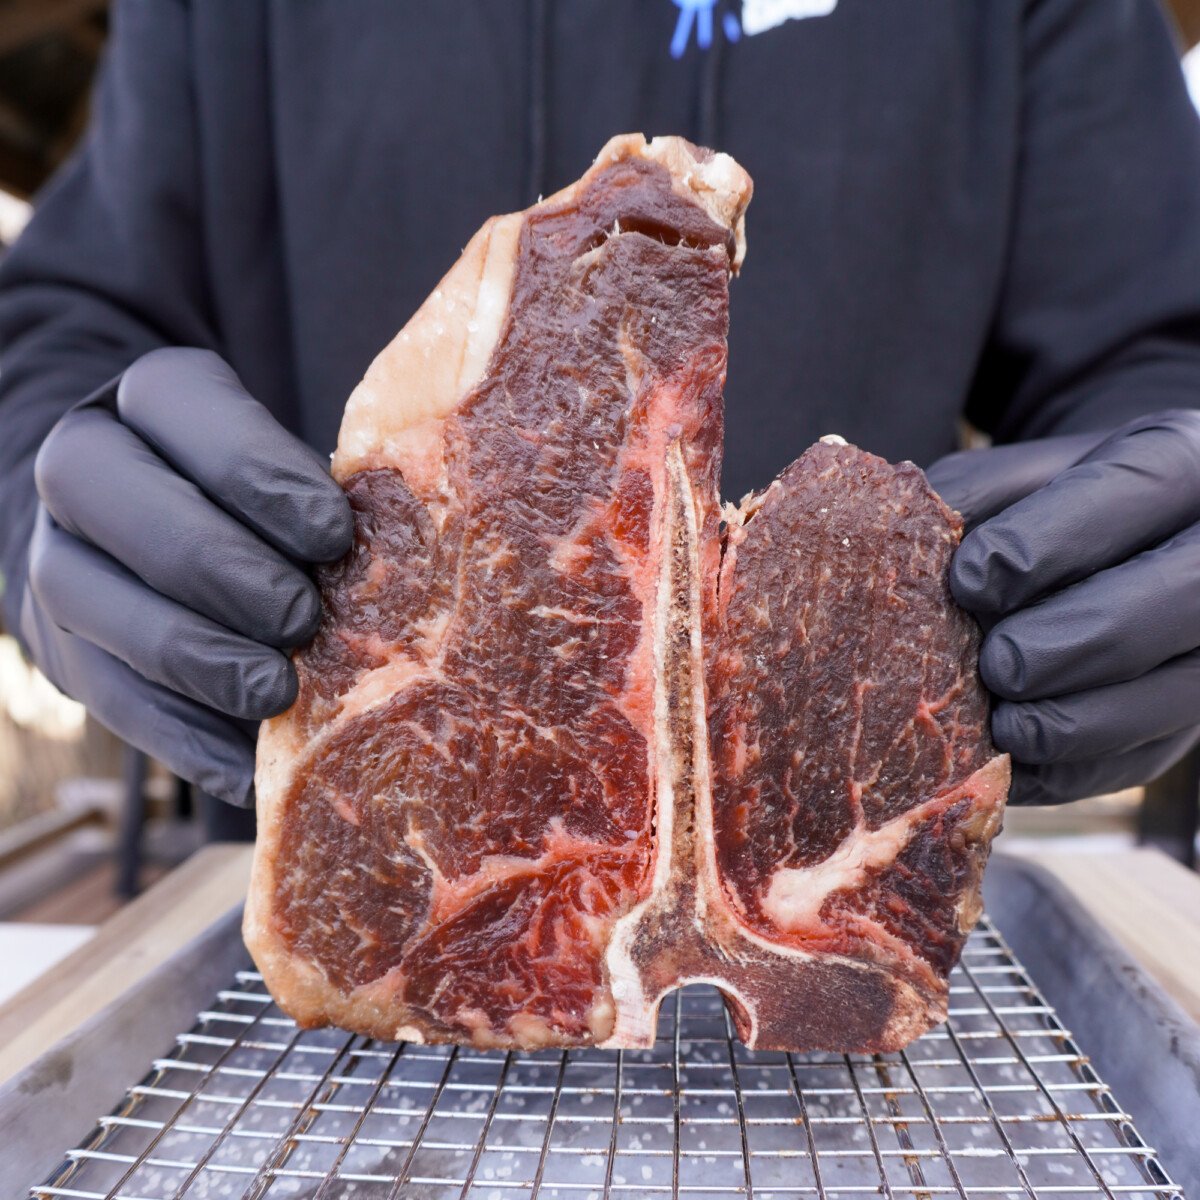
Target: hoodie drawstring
708 103
711 91
539 69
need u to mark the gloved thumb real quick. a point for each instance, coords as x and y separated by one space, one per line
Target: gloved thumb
981 483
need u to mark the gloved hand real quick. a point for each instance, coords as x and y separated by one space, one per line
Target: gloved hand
1082 565
167 570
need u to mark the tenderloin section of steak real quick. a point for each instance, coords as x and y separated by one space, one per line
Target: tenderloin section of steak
856 789
570 735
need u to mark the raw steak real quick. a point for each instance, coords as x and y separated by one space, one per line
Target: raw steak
571 735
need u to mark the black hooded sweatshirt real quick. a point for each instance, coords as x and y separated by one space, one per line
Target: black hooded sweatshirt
987 208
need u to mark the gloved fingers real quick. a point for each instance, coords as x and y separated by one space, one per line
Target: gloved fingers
1134 490
1103 721
85 592
101 482
981 483
194 742
1114 626
1060 783
192 409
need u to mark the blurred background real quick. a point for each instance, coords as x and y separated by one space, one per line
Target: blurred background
85 823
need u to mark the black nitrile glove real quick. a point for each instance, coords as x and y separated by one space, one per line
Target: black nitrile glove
167 565
1083 566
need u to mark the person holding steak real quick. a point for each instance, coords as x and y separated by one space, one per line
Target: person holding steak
988 210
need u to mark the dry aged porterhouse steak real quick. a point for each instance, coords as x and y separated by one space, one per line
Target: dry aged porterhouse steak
572 735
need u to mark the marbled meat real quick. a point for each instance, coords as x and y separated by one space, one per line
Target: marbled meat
572 734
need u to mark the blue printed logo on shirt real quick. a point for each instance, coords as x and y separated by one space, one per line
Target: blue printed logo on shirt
757 17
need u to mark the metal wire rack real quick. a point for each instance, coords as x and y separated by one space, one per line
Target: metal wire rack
999 1102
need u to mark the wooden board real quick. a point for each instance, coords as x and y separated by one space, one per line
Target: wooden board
1149 903
127 946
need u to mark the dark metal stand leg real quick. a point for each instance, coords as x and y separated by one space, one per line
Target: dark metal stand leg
183 799
1170 814
133 820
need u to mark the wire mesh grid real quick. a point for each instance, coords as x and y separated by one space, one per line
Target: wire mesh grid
999 1102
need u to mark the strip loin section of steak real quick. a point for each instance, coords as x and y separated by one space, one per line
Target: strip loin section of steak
460 806
564 741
